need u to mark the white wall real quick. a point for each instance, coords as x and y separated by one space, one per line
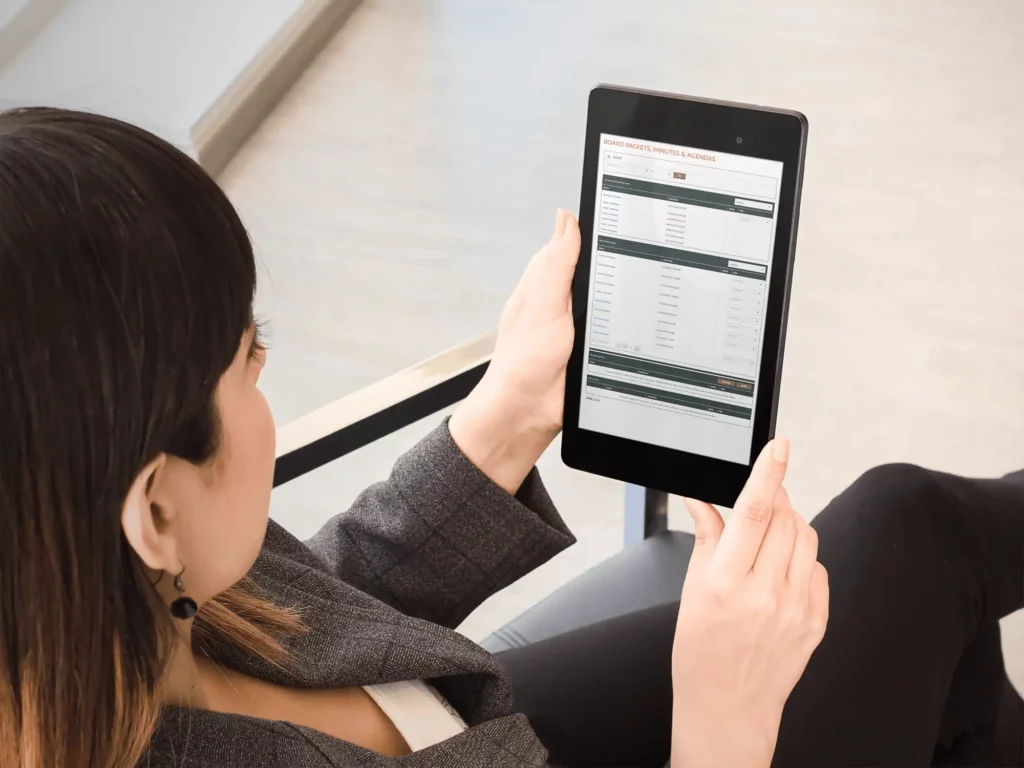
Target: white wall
10 9
21 21
158 63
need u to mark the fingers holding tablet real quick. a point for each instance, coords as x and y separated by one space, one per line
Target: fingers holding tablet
762 532
754 607
759 533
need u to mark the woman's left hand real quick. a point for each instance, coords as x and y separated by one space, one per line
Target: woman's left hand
516 411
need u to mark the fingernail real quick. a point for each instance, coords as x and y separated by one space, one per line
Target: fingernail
567 220
780 449
560 222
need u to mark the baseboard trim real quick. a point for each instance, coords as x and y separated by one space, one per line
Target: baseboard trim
229 123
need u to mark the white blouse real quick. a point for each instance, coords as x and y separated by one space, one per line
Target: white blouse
418 712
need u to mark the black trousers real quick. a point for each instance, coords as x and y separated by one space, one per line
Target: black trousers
922 566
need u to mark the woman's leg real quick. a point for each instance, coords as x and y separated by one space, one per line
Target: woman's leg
921 565
601 696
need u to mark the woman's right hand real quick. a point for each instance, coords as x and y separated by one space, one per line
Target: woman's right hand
753 609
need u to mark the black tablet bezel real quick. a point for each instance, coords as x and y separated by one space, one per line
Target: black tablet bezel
714 126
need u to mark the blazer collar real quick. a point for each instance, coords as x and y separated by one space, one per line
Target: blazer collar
355 639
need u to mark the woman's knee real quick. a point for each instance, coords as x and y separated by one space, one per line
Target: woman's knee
902 483
891 498
896 537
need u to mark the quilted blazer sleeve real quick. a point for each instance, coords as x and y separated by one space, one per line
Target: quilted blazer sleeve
438 537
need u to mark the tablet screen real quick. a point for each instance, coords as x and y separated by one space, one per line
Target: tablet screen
682 253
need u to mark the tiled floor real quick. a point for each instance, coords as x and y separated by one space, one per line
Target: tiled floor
397 193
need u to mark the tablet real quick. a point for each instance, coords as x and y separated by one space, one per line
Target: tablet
688 217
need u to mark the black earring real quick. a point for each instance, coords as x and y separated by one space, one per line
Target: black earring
183 608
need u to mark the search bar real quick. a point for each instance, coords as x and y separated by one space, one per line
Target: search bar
747 267
752 204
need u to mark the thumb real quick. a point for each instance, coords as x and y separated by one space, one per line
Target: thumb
571 239
560 255
707 530
569 227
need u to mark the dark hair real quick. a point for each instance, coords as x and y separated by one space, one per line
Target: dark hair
126 285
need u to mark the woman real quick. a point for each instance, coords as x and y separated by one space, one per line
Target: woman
151 615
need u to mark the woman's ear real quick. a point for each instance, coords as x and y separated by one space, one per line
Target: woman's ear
144 521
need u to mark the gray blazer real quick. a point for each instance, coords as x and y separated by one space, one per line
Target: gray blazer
382 587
